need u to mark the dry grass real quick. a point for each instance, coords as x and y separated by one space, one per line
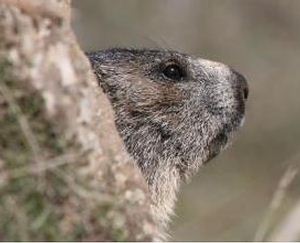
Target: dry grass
279 196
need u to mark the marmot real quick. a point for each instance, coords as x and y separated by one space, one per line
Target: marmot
173 111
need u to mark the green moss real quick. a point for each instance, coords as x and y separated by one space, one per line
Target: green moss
32 204
33 215
119 235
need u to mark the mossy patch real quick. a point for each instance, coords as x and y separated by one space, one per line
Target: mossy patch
27 208
37 202
30 198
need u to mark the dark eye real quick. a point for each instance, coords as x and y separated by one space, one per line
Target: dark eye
174 71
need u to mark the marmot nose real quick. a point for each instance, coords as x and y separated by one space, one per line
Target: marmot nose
242 84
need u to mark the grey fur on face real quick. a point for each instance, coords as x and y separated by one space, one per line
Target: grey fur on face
173 111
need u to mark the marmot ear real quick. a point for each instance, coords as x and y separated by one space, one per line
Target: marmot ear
96 67
107 87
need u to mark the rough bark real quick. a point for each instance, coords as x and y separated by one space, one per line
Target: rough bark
64 173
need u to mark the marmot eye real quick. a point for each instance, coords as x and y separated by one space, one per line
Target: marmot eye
174 71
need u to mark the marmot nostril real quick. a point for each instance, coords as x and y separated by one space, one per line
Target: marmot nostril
242 83
244 86
246 92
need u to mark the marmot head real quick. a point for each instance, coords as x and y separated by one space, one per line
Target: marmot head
171 106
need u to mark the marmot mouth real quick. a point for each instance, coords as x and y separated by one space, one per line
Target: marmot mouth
222 139
217 144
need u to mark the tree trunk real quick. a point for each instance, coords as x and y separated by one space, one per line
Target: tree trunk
64 173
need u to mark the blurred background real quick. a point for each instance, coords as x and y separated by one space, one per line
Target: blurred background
229 197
